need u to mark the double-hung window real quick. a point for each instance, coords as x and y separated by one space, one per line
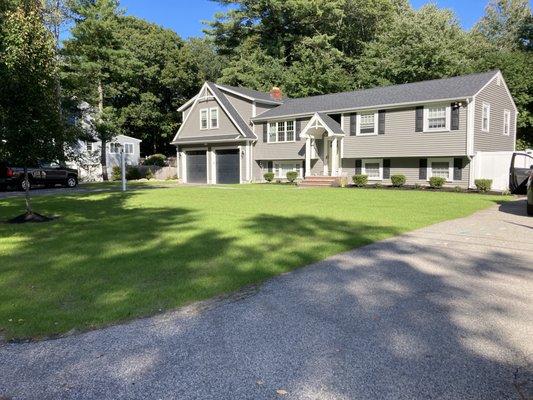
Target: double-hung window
373 168
204 123
437 118
282 167
114 148
209 118
128 148
441 167
367 123
279 132
485 117
506 122
89 146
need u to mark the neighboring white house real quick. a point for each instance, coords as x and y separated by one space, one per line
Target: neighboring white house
88 156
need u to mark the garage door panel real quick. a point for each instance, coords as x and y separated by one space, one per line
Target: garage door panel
196 167
228 166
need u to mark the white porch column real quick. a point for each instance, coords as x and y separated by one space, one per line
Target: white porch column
334 157
308 157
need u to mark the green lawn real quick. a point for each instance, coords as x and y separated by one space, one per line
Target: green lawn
116 256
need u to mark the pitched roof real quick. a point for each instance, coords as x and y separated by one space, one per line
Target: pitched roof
235 116
253 94
330 123
439 89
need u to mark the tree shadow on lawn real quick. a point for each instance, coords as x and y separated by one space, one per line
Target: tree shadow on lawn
105 261
380 323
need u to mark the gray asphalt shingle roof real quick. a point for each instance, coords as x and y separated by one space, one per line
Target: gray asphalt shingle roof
254 94
242 125
333 125
439 89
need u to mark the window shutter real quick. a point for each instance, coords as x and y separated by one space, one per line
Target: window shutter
298 128
457 169
386 168
381 122
423 169
270 166
419 125
358 166
265 132
455 117
353 124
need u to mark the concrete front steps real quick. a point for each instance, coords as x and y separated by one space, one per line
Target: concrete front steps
318 181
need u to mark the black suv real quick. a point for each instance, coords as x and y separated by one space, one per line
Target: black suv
41 173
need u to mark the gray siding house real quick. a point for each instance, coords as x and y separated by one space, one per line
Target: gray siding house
420 130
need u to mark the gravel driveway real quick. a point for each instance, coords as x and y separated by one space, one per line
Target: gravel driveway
444 312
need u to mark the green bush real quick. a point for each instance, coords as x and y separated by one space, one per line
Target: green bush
437 182
159 160
291 176
132 173
483 185
268 176
458 189
418 186
378 185
360 180
398 180
149 174
116 174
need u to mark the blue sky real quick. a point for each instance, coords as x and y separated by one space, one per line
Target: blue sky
184 16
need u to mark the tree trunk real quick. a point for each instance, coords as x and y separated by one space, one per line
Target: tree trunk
27 190
103 152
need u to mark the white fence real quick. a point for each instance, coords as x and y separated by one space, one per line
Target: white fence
495 165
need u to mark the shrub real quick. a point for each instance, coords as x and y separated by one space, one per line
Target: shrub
360 180
116 174
418 186
342 181
269 176
291 176
132 173
437 182
483 185
159 160
172 177
378 185
398 180
149 174
458 189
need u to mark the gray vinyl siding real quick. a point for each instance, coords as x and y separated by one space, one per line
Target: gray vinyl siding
499 100
243 106
400 138
191 127
410 168
278 151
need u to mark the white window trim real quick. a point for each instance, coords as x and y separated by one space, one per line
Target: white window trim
207 119
448 118
487 105
507 116
132 147
372 160
111 147
277 125
280 162
450 167
210 119
376 120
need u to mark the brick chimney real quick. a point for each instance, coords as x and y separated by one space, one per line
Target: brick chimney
276 93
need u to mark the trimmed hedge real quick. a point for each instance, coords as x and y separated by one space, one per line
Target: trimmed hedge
132 173
360 180
269 176
437 182
291 176
398 180
159 160
483 185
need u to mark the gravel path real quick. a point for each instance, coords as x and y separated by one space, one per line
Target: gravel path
444 312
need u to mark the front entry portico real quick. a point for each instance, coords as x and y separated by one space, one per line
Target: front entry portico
325 129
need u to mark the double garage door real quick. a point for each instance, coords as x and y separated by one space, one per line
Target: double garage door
226 161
